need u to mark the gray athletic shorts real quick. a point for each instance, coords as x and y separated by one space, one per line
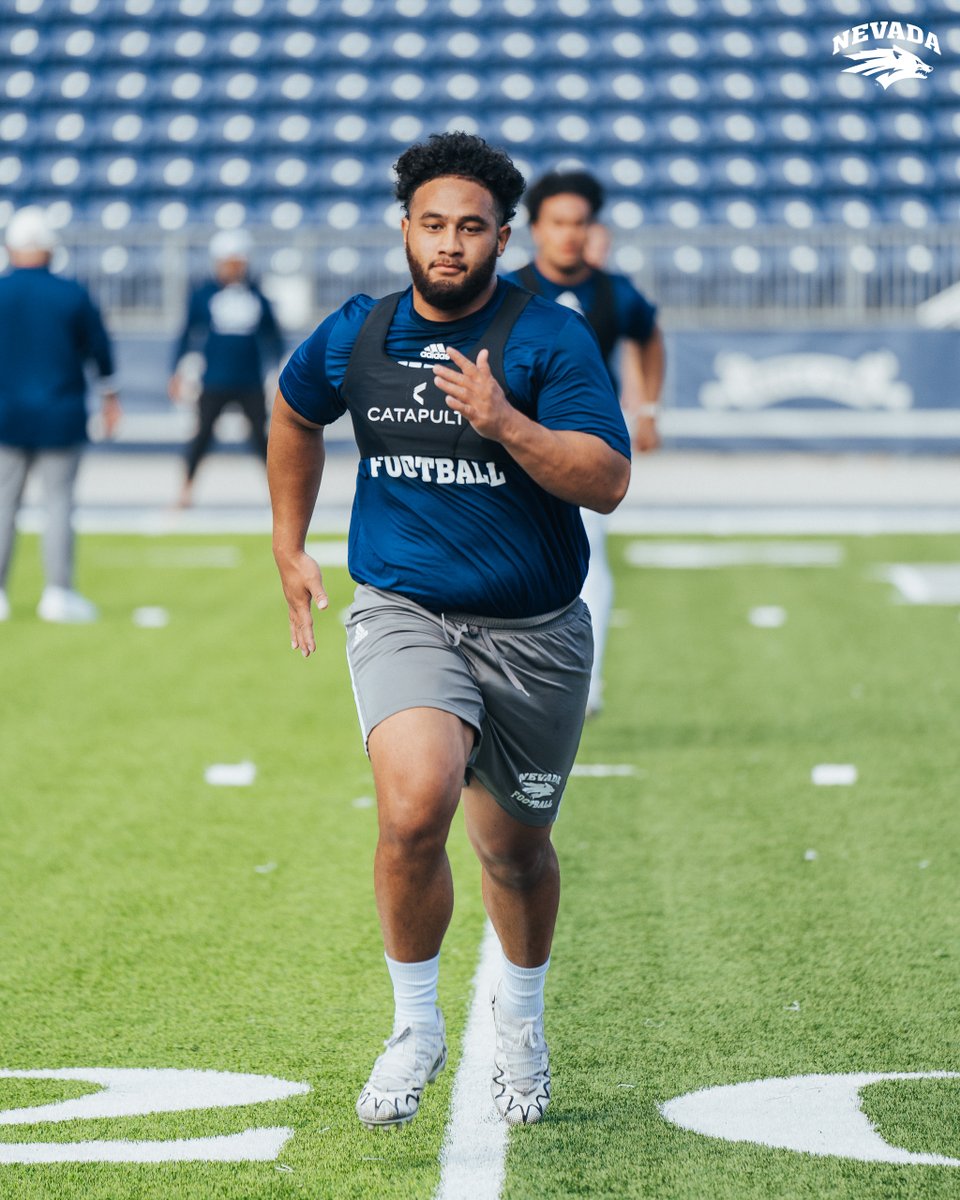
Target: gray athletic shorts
522 685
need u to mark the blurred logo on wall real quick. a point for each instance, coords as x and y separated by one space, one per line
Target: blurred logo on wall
867 382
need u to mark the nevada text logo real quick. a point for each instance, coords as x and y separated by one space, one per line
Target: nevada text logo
887 64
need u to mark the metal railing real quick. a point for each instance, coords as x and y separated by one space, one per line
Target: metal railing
708 277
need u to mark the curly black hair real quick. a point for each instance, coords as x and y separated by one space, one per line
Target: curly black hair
464 155
564 183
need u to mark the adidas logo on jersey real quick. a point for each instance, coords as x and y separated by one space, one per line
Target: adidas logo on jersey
435 350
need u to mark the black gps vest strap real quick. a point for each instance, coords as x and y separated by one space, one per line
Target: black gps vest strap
602 314
372 376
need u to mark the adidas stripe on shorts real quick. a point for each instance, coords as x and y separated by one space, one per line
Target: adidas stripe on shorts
521 684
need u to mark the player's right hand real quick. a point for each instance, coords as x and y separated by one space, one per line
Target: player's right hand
302 585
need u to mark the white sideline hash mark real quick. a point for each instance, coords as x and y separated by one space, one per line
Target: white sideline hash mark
472 1158
834 774
240 774
151 617
767 616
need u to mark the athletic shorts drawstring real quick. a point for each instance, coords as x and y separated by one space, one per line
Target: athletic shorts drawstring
460 628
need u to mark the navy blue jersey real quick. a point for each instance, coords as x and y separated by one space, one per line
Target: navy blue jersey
633 313
235 329
455 533
50 331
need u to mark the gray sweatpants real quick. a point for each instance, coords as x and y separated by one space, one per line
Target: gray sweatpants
58 473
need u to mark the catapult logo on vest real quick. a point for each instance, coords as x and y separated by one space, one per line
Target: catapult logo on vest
891 63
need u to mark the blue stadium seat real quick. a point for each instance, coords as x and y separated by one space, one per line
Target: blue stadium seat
848 128
737 107
856 172
72 128
737 211
18 172
905 169
738 172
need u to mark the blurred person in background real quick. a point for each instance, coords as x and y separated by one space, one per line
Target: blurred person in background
50 331
230 321
571 248
485 419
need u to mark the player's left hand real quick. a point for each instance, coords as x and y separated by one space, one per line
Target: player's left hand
646 437
111 412
473 392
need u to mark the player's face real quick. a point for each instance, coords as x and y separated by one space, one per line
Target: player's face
561 232
453 238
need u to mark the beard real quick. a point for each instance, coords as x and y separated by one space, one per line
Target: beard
451 294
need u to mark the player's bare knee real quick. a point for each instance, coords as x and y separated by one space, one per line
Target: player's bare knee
519 868
414 830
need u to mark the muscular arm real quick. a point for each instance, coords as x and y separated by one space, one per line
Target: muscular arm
295 458
577 467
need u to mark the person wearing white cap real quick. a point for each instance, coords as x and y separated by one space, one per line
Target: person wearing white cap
50 330
231 321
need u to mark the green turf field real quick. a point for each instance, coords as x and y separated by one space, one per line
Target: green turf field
723 919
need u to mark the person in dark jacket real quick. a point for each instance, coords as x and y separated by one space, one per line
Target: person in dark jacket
563 207
50 331
230 320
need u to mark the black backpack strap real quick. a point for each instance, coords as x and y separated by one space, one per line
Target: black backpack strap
528 277
603 314
495 339
372 335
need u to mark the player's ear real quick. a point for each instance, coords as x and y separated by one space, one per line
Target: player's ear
503 236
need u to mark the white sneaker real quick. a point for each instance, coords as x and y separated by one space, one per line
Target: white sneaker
521 1081
65 607
4 606
413 1058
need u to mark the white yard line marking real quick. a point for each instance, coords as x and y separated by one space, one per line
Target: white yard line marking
328 554
473 1156
705 556
603 770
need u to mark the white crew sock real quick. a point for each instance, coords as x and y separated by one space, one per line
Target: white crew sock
520 995
414 991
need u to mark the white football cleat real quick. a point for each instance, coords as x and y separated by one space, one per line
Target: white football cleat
521 1081
64 607
4 606
413 1057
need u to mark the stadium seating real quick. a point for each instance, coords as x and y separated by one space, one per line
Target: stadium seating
721 113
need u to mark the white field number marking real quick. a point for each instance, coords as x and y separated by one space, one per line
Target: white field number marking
139 1092
813 1114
